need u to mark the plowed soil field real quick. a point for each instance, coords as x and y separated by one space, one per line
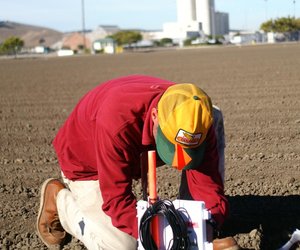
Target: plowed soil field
257 87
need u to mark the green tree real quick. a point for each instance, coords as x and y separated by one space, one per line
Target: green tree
11 45
188 41
282 25
127 37
267 26
166 41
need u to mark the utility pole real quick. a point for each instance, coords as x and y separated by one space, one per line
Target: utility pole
266 14
294 1
83 24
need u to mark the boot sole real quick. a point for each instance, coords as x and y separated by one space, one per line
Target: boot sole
42 193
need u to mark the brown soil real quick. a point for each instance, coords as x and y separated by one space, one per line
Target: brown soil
257 87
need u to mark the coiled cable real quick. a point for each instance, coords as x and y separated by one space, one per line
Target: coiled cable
166 209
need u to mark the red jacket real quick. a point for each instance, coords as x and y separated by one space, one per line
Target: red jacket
102 140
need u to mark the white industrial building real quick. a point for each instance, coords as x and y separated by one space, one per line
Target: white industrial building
196 18
222 23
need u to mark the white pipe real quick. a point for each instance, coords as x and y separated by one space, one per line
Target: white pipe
295 238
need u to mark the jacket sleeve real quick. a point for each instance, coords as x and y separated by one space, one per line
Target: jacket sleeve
205 183
115 177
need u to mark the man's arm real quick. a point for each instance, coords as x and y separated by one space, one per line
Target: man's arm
205 183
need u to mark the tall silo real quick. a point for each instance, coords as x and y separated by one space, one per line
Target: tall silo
186 11
205 14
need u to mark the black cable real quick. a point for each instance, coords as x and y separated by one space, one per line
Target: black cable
166 209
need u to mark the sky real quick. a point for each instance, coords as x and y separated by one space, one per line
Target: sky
66 15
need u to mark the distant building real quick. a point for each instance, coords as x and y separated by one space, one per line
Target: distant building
245 37
196 18
105 45
76 41
222 23
152 35
179 32
102 31
205 14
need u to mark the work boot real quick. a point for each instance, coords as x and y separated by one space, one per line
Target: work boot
227 243
48 225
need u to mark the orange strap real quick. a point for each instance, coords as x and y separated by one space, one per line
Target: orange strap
181 158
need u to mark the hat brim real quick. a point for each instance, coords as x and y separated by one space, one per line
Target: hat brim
166 151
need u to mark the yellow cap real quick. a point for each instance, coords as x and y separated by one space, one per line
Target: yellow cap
184 117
